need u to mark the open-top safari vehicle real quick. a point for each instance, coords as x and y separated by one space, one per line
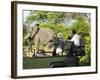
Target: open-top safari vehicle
69 57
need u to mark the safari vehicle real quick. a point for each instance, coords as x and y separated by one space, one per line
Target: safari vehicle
69 58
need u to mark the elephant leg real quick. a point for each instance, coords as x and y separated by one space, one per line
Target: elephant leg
29 45
37 45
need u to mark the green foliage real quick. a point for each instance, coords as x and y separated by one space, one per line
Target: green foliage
81 25
39 16
44 16
86 59
54 17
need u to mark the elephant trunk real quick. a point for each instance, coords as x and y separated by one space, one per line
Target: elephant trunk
34 32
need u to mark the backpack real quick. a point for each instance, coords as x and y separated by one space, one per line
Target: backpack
80 50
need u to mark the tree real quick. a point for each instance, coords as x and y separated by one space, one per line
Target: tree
45 16
81 25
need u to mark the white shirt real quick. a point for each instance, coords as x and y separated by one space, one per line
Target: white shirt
76 40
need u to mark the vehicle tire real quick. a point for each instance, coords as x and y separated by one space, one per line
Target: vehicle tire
57 64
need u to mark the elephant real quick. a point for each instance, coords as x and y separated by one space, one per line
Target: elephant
40 38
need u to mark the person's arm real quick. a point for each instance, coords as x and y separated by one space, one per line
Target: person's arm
72 39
